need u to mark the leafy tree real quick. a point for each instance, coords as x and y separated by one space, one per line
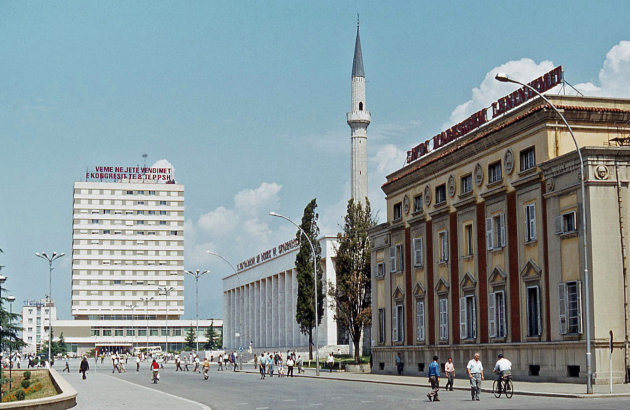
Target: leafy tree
8 328
350 297
61 346
211 338
305 309
191 338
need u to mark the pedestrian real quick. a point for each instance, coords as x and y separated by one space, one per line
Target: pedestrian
261 367
67 366
331 362
399 364
84 367
220 363
290 364
255 360
178 364
234 359
138 363
449 368
434 379
280 367
186 360
270 365
206 368
300 364
196 364
475 374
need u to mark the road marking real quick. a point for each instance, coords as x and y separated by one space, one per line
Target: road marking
290 400
203 406
316 404
262 408
367 401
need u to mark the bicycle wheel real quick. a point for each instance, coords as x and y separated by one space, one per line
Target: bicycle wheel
509 389
496 386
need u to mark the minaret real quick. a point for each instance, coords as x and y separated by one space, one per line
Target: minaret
358 120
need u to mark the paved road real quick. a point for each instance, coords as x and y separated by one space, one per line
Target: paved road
229 390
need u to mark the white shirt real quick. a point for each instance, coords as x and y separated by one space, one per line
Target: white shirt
475 366
503 364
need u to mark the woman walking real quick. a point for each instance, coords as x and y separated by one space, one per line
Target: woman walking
84 367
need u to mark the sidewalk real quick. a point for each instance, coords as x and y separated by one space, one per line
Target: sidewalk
101 391
566 390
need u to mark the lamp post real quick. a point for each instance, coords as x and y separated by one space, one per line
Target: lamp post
133 329
238 334
589 387
166 291
50 260
146 301
2 280
197 273
315 289
11 299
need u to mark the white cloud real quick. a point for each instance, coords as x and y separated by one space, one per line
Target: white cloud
614 76
490 89
219 221
250 201
163 163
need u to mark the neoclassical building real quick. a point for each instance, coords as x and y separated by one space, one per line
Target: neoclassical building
482 248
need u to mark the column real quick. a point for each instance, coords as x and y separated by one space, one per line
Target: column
268 324
226 309
274 311
282 340
256 313
288 291
263 313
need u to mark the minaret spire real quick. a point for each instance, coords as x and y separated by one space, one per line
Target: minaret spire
358 120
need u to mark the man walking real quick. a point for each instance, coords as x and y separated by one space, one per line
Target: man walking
449 368
475 374
399 364
67 365
434 379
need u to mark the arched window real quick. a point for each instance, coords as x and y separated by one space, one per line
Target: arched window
360 106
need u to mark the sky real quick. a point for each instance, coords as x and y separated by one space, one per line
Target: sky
247 101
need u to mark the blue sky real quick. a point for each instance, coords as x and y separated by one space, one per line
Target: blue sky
247 100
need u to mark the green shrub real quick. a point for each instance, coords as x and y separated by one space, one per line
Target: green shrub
20 394
26 383
27 375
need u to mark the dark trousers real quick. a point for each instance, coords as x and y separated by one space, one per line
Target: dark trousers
290 371
435 387
262 371
400 366
83 374
450 381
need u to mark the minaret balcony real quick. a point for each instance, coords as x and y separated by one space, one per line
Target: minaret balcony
359 116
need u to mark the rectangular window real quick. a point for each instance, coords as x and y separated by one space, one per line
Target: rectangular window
494 172
142 332
177 332
118 332
94 221
107 332
140 203
417 252
151 212
496 314
397 211
440 194
570 307
392 258
140 192
420 320
107 211
417 203
129 192
466 185
565 223
528 159
380 270
467 317
443 318
400 265
165 331
164 223
162 212
381 325
495 232
530 222
162 202
151 192
398 322
107 232
174 233
468 240
140 212
443 246
153 332
534 324
131 332
97 332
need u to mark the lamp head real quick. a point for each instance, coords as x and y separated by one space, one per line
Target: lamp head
502 77
2 278
11 299
274 214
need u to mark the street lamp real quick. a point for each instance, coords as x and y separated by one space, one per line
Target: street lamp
166 291
314 280
133 329
146 301
50 260
197 274
11 299
2 280
502 77
238 334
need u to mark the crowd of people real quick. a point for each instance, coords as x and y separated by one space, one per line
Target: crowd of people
269 363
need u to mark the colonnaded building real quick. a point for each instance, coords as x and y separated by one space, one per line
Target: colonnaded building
482 248
128 262
259 301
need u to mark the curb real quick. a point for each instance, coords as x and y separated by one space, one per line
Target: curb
486 390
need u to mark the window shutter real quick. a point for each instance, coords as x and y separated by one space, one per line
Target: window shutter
579 305
502 226
502 329
562 307
474 317
415 251
445 245
400 266
401 323
558 224
420 255
421 324
526 223
532 223
462 318
395 324
392 258
489 235
539 318
492 329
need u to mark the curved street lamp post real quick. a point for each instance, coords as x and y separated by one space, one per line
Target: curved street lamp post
197 273
166 291
502 77
146 301
11 299
133 329
50 260
315 289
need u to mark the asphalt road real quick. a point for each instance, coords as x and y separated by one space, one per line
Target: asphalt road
230 390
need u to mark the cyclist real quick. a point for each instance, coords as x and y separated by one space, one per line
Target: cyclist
155 367
502 368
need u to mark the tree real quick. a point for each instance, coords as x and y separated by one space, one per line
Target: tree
211 336
350 296
305 306
191 338
61 346
9 338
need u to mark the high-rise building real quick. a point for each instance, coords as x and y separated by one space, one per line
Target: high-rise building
358 120
127 240
35 322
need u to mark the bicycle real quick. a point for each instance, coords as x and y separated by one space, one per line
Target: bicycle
156 376
504 386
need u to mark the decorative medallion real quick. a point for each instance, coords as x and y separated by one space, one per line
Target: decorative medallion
451 185
508 161
601 172
478 174
427 196
406 204
550 184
